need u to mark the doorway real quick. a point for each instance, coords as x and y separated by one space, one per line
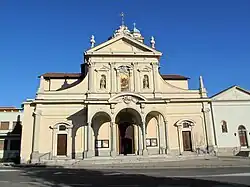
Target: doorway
242 136
187 143
62 144
126 139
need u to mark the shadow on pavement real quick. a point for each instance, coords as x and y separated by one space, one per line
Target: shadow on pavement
63 177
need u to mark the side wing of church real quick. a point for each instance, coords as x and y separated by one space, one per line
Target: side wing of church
119 104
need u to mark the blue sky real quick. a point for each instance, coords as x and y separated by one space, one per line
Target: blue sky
208 38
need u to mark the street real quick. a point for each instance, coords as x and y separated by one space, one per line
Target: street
62 177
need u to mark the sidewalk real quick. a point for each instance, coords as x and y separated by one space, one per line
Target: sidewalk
191 163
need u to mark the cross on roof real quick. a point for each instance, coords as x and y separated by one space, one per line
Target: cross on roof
122 16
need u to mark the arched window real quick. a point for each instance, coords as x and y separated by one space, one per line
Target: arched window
242 136
62 128
145 81
224 126
103 82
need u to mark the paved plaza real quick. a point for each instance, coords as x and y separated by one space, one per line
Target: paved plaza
221 173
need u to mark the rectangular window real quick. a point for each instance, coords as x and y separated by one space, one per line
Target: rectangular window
3 144
4 125
101 143
151 142
15 144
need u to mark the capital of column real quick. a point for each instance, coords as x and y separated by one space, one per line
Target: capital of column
206 110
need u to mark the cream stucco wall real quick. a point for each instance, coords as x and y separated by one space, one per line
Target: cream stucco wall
92 113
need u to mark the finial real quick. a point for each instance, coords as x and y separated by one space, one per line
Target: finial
152 42
202 88
92 41
122 16
201 82
134 25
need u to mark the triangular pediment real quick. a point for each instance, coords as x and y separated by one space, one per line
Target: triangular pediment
233 93
122 44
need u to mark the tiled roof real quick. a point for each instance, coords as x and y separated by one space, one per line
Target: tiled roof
9 108
174 77
78 75
61 75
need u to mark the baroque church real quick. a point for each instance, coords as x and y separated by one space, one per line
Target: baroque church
118 104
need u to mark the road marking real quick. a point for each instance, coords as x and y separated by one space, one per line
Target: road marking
4 181
8 170
117 173
218 175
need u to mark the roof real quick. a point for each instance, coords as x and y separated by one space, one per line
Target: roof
61 75
174 77
234 86
78 75
9 108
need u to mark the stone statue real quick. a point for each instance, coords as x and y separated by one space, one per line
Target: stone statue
145 82
103 82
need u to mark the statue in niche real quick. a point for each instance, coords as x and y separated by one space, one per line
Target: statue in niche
103 82
145 82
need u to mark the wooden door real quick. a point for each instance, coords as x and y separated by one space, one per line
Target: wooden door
243 138
186 138
62 144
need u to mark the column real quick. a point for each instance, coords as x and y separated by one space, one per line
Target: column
139 130
193 139
209 128
144 151
134 75
113 80
117 82
167 147
36 133
180 139
113 139
90 77
90 151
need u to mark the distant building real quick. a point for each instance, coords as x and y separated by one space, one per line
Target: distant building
10 133
231 117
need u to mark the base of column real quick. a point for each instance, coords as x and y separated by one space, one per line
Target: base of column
113 153
145 152
34 157
88 154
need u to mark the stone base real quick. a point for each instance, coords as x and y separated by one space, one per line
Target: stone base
145 152
113 153
88 154
34 157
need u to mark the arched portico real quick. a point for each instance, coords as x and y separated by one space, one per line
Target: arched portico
156 133
101 136
130 134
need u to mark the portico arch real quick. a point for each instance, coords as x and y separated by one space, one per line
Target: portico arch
129 138
156 132
100 133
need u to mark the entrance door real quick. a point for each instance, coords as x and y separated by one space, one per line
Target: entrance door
186 137
126 134
61 144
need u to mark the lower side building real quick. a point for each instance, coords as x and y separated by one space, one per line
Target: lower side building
231 120
10 133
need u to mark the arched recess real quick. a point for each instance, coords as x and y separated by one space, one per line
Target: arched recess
129 140
242 131
186 137
156 133
62 141
100 133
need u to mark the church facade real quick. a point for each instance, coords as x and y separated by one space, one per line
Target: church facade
119 104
